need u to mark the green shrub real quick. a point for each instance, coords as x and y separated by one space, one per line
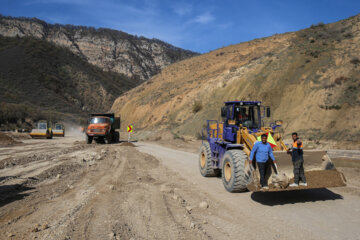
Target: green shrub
197 106
199 136
340 80
355 61
176 136
330 107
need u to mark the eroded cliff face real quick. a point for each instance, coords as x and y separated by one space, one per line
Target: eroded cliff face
111 50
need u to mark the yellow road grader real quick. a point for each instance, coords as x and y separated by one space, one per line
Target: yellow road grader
228 144
43 129
59 130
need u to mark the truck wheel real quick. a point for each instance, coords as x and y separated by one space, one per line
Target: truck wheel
236 173
49 135
89 139
109 139
117 137
205 164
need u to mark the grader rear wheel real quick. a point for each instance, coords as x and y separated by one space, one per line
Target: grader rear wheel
236 174
205 164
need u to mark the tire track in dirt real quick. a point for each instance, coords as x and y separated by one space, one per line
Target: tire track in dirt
90 222
120 193
49 192
238 214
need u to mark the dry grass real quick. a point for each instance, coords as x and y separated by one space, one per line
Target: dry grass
281 71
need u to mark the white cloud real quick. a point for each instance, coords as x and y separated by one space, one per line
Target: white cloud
182 9
204 18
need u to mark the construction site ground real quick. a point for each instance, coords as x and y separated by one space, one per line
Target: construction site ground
63 188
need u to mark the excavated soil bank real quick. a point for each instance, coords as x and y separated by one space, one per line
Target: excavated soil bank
19 136
6 140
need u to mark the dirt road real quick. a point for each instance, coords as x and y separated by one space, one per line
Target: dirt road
65 189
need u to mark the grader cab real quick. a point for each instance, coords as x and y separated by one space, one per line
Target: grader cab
228 144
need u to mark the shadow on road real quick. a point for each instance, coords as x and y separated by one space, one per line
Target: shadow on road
296 196
11 193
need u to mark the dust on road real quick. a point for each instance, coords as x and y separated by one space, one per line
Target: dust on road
65 189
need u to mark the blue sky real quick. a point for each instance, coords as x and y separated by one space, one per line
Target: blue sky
201 25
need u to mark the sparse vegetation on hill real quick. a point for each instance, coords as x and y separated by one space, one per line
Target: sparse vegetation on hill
41 80
310 79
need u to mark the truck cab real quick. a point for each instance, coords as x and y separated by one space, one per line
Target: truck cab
101 128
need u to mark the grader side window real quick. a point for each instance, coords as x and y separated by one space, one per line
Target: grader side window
248 116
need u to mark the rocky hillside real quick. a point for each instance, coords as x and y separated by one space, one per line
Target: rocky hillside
39 80
310 78
111 50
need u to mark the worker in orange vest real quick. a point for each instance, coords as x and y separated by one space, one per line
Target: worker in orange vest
297 155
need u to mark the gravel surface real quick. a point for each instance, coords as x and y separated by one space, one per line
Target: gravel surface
64 188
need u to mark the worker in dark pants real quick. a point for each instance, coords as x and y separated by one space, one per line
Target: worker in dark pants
262 151
297 154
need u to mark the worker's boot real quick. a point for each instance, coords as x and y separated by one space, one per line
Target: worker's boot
294 185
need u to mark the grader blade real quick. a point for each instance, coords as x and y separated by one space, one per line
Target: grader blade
320 172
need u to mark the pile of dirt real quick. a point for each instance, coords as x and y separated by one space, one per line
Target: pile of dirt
127 144
59 171
19 136
320 178
7 140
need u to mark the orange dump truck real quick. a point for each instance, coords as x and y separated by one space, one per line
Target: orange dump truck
102 128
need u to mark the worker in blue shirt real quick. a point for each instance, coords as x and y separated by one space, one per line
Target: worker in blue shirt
262 151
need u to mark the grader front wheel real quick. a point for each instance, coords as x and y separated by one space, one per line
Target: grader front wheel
236 174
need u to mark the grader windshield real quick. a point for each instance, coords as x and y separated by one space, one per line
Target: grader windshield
42 125
248 115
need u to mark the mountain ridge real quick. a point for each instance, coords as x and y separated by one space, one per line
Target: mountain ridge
40 80
111 50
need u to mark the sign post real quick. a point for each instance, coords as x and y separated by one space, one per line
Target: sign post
129 130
